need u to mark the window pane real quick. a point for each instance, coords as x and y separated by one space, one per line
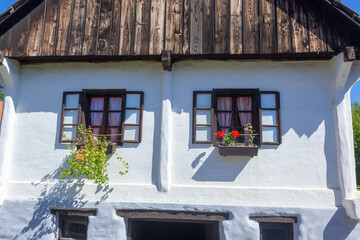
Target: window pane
203 134
203 100
114 118
131 133
203 117
244 103
268 117
71 117
115 103
271 234
72 101
115 134
224 103
132 116
269 134
74 230
69 133
268 101
224 119
97 104
132 100
96 118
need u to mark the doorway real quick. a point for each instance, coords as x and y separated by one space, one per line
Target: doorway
174 230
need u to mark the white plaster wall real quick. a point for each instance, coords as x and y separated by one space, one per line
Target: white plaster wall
32 220
305 159
38 153
302 168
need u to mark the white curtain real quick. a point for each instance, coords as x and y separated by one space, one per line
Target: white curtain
115 103
96 118
114 118
224 118
245 104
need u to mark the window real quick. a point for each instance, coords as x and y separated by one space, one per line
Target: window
280 228
73 223
230 109
116 114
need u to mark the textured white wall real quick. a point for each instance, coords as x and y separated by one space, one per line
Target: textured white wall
298 178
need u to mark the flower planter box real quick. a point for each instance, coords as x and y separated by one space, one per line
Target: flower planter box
239 150
110 149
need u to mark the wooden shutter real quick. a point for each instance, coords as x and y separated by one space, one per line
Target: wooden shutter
133 117
202 117
270 123
71 116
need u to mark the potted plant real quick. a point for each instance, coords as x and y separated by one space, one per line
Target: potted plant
89 157
229 145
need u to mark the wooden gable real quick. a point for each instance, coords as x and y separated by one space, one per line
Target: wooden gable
223 28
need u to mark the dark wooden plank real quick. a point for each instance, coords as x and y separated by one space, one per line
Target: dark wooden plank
142 27
104 33
115 27
36 31
50 28
196 26
283 27
174 26
236 13
186 26
19 35
299 23
316 27
91 27
5 43
250 27
64 28
127 27
157 27
268 41
222 31
208 27
77 28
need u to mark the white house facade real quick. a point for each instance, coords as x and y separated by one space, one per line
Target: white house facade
163 111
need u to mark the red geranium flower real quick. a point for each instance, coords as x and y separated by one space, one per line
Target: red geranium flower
235 134
220 134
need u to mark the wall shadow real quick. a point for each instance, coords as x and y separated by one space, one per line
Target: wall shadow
216 168
339 227
65 193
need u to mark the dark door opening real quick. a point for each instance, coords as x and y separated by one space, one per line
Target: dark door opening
165 230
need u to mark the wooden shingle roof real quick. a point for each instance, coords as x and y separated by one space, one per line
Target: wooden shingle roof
83 29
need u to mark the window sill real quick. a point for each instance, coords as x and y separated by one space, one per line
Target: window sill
110 149
238 150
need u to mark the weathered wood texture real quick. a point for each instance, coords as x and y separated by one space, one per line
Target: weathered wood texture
185 27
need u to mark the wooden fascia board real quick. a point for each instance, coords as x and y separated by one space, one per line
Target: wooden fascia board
21 10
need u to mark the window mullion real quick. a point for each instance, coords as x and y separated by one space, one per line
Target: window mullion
234 119
105 118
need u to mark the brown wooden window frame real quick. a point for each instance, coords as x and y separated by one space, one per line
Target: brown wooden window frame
195 125
278 119
276 222
256 112
63 109
84 111
234 93
72 216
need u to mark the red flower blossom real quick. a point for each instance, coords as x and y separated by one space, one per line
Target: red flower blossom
235 134
220 134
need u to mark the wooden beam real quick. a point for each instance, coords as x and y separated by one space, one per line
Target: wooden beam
174 215
349 54
274 219
166 60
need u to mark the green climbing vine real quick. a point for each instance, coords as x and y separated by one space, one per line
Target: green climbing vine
88 157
